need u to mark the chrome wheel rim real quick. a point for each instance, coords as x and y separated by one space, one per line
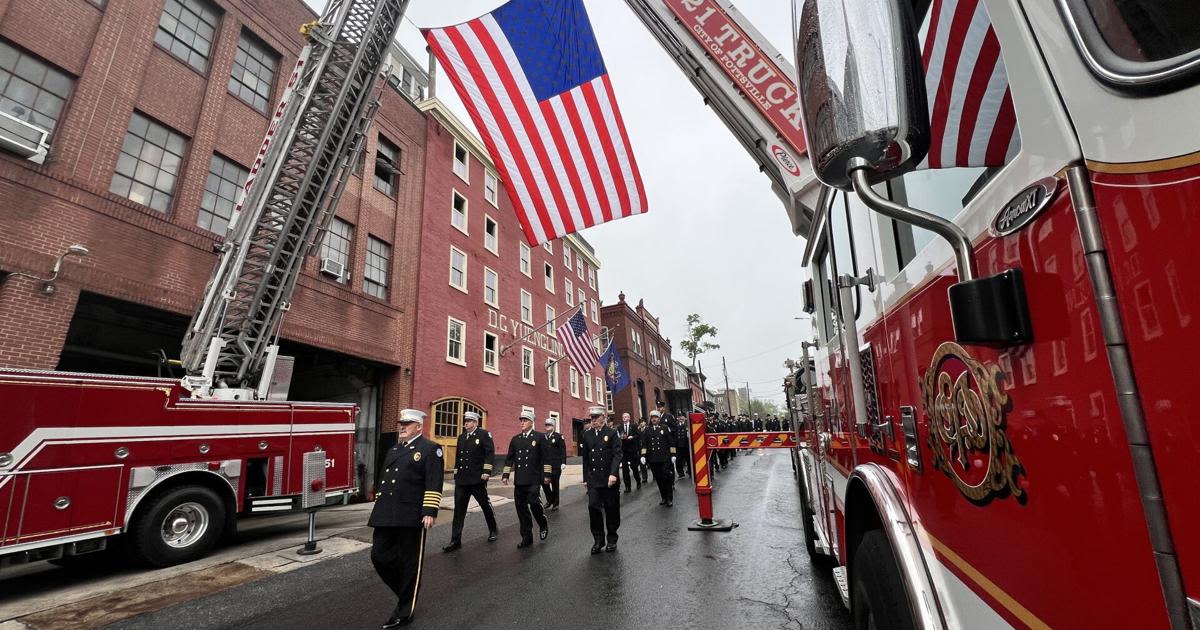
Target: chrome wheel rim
184 524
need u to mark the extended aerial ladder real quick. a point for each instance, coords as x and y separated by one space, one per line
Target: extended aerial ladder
311 146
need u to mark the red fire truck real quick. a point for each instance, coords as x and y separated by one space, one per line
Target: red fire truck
999 428
170 464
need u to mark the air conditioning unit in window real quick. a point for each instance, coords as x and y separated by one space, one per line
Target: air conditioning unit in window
332 268
26 140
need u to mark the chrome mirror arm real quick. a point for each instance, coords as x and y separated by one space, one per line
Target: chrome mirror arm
964 251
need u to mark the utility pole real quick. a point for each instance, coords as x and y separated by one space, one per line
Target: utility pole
749 400
728 409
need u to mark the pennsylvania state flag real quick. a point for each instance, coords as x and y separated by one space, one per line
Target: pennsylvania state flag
615 376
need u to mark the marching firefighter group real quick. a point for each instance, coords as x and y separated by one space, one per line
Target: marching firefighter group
410 486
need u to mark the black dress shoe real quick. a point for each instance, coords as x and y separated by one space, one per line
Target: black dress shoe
524 543
596 548
453 546
492 536
553 507
611 548
670 504
662 502
627 490
543 533
396 621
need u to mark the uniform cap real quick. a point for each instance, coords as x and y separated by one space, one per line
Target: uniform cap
549 422
470 416
412 415
596 411
655 413
527 415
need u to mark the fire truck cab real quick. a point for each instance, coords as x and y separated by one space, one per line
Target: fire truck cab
1000 428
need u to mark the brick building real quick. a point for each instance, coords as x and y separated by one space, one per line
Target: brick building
645 353
154 110
485 297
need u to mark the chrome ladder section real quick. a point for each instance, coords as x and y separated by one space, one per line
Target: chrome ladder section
290 197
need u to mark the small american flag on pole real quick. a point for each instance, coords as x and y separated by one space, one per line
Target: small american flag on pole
972 121
532 79
577 343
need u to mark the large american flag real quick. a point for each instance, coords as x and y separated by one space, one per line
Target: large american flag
531 76
972 122
577 343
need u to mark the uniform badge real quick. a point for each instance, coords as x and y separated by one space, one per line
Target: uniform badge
476 440
417 456
439 452
552 440
606 438
533 443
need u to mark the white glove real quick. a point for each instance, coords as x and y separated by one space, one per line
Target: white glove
562 466
643 461
672 459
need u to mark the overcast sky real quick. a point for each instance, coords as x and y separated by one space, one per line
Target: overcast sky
716 240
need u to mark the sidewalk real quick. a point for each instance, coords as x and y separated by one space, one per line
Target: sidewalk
501 494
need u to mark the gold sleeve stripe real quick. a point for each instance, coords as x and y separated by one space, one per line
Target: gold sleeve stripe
508 469
487 466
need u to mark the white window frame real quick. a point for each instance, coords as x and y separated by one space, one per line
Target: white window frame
637 342
494 237
587 388
579 268
494 198
549 279
550 315
526 260
570 289
494 366
466 213
465 269
548 246
488 272
462 341
466 164
526 307
595 312
591 276
527 375
552 377
566 256
600 391
608 400
573 374
582 301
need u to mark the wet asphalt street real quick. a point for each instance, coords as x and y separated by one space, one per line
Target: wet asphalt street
663 576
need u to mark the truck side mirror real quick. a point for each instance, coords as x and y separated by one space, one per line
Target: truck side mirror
862 89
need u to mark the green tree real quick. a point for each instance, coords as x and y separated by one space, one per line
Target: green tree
765 407
695 344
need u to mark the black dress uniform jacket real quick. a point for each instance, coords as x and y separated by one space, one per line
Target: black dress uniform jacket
601 454
658 443
556 450
526 459
410 486
473 457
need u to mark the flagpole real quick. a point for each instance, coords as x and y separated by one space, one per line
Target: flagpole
534 329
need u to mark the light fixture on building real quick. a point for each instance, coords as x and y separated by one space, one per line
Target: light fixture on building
48 282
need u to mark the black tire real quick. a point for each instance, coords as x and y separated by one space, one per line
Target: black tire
177 525
877 597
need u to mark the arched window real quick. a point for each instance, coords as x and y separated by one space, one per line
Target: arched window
448 416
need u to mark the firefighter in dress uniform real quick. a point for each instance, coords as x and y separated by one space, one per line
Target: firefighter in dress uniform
601 455
410 493
658 452
526 463
472 469
628 432
556 459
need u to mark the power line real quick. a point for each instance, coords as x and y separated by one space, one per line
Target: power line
758 354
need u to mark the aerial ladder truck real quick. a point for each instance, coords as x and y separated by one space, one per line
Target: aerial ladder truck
170 463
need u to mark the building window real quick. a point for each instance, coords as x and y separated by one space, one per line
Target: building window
149 163
570 289
637 342
526 307
550 315
591 276
552 377
491 235
525 266
579 268
573 377
587 388
375 275
600 393
548 246
225 180
31 90
566 256
595 312
608 400
335 246
582 298
254 67
458 269
448 415
387 167
458 212
456 351
491 290
491 353
186 28
462 162
527 364
549 278
491 188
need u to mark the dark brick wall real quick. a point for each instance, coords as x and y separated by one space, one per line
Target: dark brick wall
623 319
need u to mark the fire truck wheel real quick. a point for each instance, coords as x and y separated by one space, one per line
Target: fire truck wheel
177 526
877 591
